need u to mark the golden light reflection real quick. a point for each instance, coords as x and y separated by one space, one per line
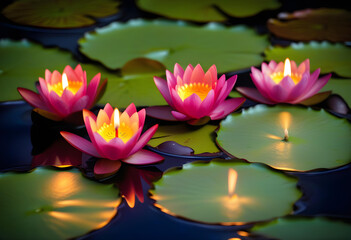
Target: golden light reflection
63 185
285 119
232 179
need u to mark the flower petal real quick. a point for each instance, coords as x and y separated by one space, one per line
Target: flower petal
178 71
60 107
131 109
80 143
108 109
253 94
105 166
102 118
144 139
162 86
192 106
180 116
171 79
160 112
198 75
32 98
92 89
80 104
143 157
227 107
187 74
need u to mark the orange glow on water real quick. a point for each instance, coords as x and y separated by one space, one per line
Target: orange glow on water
232 179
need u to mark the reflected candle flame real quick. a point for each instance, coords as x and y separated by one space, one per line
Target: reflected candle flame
286 135
64 81
232 179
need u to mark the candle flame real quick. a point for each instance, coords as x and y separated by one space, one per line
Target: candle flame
64 81
232 178
287 67
116 118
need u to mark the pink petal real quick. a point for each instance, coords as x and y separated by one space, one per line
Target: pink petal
177 101
142 114
207 104
108 109
113 150
47 75
60 107
171 79
131 109
198 75
102 118
180 116
211 74
312 80
304 67
55 78
129 145
92 89
81 143
67 97
253 94
143 157
80 104
192 106
160 112
219 86
227 107
278 93
288 84
79 71
87 113
162 86
105 166
187 74
144 139
43 87
227 89
71 75
32 98
299 88
178 71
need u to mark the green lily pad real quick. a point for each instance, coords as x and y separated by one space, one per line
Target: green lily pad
206 10
59 14
59 204
324 55
313 24
201 140
135 86
23 62
199 192
341 87
293 228
170 42
316 139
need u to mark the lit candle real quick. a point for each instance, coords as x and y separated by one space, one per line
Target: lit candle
216 193
287 137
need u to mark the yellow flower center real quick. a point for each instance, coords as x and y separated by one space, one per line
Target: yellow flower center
278 76
73 86
108 132
200 89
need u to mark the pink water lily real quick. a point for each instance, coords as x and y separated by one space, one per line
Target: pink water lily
195 96
62 95
286 83
114 138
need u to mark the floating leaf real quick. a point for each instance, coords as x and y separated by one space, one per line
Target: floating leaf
121 91
206 11
299 228
199 192
341 87
59 14
59 204
313 24
23 62
316 139
326 56
171 42
201 140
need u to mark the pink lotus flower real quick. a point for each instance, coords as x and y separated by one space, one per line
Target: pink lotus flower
286 83
114 138
60 96
195 96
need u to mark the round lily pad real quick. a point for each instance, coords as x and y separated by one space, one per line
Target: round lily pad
293 228
121 91
206 10
199 192
201 140
59 204
313 24
24 62
316 139
170 42
327 56
59 14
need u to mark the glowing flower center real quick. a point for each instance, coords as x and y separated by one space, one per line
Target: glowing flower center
72 86
200 89
278 76
108 132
